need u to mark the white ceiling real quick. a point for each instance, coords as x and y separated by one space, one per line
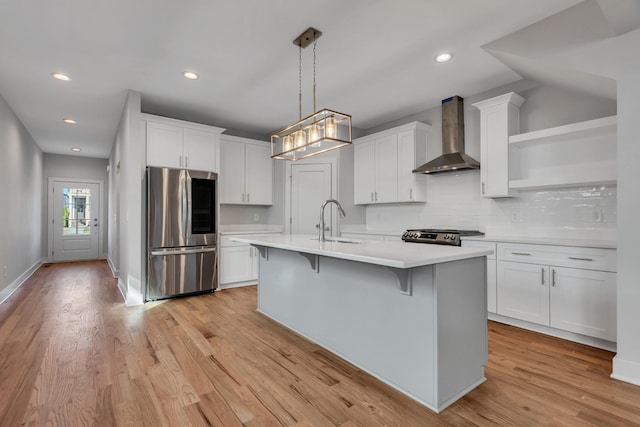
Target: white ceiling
375 60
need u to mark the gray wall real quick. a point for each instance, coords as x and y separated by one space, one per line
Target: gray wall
76 167
22 241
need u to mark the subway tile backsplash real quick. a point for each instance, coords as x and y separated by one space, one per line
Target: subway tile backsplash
453 201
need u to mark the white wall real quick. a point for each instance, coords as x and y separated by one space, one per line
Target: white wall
453 199
76 167
127 168
22 241
626 364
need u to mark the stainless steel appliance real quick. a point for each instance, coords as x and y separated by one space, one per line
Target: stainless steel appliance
182 226
438 237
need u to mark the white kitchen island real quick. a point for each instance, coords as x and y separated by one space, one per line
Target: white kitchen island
412 315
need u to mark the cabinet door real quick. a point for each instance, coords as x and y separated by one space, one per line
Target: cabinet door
386 169
411 186
494 152
231 179
584 301
199 150
523 291
236 264
363 173
258 175
164 145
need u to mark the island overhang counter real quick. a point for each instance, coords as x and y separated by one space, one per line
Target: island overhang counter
412 315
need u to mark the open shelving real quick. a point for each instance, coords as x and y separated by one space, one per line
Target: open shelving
572 155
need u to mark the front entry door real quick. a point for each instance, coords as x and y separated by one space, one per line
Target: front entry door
310 187
76 220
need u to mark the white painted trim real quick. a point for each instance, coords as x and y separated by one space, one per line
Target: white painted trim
13 286
626 370
114 270
327 158
558 333
237 285
130 298
103 217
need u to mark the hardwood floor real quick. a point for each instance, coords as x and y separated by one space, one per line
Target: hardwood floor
71 354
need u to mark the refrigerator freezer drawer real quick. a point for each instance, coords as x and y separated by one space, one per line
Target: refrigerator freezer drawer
172 274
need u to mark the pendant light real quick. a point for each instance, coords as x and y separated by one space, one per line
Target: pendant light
318 133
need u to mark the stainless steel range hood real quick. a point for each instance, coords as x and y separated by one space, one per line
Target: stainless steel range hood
453 157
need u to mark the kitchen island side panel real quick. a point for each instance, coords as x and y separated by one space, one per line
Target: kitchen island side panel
357 311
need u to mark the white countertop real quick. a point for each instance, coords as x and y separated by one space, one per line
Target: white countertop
250 229
386 253
582 243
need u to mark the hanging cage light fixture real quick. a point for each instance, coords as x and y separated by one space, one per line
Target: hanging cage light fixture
318 133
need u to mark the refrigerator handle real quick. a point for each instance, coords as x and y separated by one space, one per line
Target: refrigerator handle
195 250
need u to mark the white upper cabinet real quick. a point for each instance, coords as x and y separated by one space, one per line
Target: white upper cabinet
383 165
246 172
179 144
499 119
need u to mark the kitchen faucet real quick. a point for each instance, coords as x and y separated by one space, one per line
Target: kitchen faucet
321 236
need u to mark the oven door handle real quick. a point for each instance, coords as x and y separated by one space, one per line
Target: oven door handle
186 251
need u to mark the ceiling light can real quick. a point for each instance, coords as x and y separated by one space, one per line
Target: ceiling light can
190 75
69 121
443 57
60 76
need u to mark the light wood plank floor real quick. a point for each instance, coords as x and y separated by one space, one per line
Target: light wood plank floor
71 354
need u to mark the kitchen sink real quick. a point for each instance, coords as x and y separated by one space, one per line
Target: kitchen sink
339 240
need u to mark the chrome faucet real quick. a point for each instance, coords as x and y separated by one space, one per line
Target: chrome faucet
321 236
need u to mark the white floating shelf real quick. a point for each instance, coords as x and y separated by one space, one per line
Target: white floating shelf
567 132
554 182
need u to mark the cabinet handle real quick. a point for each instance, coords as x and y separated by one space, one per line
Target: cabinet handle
483 188
247 197
542 276
520 253
580 259
242 197
553 277
411 194
372 196
376 193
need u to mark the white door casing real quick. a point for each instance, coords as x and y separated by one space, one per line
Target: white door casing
75 215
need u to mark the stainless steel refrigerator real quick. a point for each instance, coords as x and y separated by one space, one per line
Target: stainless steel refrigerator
182 232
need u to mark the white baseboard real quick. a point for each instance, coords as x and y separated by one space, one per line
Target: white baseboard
558 333
131 296
13 286
114 270
626 370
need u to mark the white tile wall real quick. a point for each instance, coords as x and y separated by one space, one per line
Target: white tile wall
453 200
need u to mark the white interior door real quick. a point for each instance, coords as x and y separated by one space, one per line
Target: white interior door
310 187
76 220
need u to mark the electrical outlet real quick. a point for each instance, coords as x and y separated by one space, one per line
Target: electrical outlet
597 215
256 217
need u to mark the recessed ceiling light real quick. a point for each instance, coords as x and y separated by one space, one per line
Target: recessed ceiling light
69 121
190 75
444 57
60 76
76 149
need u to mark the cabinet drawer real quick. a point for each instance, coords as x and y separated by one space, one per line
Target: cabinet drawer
563 256
485 245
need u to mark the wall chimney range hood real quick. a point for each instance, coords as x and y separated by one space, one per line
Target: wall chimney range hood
453 157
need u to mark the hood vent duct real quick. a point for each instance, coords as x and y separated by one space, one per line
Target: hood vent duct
453 157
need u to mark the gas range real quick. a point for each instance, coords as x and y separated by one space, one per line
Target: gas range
438 237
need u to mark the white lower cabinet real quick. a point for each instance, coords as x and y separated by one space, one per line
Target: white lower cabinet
570 291
238 263
523 291
584 302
